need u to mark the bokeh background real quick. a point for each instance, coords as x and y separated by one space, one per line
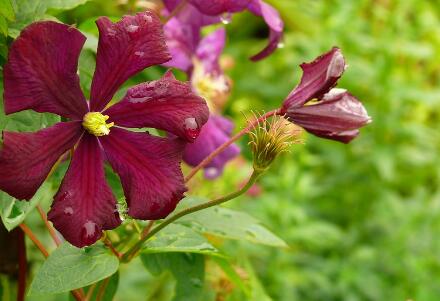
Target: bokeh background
362 220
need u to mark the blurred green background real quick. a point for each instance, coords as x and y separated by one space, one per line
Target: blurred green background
363 219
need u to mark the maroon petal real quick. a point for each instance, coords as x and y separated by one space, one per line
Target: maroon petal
336 117
84 205
27 158
318 78
166 104
275 23
149 168
41 71
125 48
217 7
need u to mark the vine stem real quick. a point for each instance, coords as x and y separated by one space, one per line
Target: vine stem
136 247
234 138
49 227
76 293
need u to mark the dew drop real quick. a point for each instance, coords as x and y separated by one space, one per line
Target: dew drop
68 211
139 99
226 18
132 28
281 45
211 172
148 18
111 32
139 53
192 129
89 233
337 66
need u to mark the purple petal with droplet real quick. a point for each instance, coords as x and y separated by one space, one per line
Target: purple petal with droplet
84 205
166 104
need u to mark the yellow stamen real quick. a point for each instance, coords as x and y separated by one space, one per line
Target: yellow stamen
95 124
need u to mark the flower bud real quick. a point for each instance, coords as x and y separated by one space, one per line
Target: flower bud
271 138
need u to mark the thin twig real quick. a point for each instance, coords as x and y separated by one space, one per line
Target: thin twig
147 228
34 239
49 227
234 138
76 293
109 245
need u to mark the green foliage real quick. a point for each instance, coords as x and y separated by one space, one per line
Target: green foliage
188 271
13 211
227 223
361 219
69 268
177 238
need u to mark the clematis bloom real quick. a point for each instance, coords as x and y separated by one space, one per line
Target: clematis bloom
199 58
202 13
319 108
41 75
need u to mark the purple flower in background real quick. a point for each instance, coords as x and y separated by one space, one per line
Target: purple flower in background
201 13
321 109
214 133
199 58
41 75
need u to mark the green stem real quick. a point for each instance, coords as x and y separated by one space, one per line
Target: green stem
135 248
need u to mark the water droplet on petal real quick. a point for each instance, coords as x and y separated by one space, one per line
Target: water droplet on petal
148 18
226 18
192 129
111 31
141 99
68 211
139 53
132 28
89 233
211 172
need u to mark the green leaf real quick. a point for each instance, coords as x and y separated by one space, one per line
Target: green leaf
187 269
69 268
230 224
178 238
232 274
86 68
13 211
3 26
6 10
28 11
106 289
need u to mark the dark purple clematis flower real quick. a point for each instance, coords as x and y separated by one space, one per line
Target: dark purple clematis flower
199 58
335 114
202 12
41 75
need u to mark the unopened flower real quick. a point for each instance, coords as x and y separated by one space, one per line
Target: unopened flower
203 12
269 139
321 109
41 75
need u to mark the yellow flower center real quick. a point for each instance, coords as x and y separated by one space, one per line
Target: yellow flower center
95 124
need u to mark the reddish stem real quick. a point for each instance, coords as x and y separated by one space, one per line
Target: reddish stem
109 245
76 293
22 266
234 138
49 227
34 239
147 228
